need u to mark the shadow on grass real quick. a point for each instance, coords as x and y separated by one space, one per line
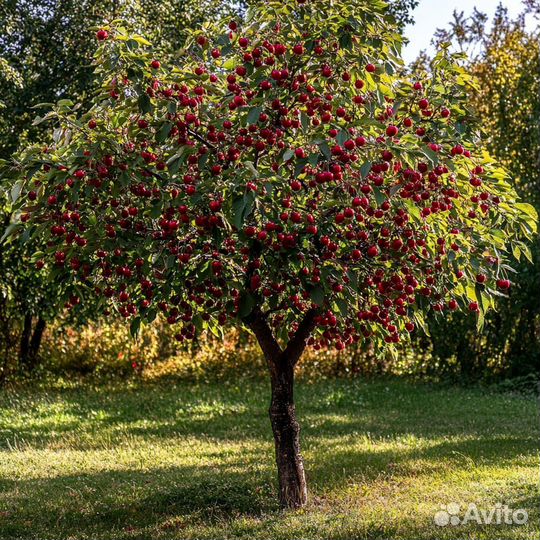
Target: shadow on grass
335 409
95 503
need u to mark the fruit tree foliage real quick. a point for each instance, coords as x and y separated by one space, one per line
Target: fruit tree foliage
282 166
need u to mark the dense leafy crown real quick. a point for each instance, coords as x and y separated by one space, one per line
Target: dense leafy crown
285 166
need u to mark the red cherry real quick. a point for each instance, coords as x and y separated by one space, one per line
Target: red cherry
503 284
102 35
215 206
370 68
373 251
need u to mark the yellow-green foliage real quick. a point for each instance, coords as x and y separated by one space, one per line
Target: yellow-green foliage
107 347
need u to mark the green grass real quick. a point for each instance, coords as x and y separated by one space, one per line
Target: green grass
196 461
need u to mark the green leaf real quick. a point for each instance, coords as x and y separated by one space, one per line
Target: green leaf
173 163
16 191
251 167
343 135
247 303
365 168
242 208
345 41
342 306
527 209
253 115
304 119
298 168
288 154
470 291
317 295
145 105
151 315
135 326
480 321
156 210
36 256
325 149
432 156
141 41
380 197
216 330
419 319
10 230
164 131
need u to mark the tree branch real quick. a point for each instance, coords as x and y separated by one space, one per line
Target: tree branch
297 344
201 139
257 322
275 356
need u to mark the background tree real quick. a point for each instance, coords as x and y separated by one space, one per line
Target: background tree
402 10
279 176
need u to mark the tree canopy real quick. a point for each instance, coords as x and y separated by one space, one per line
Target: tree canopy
277 170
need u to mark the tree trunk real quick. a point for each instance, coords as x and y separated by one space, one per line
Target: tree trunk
24 346
290 465
281 364
35 343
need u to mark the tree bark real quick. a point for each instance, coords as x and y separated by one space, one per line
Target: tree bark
26 333
30 342
286 430
290 465
35 343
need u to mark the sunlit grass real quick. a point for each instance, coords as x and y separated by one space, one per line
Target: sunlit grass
196 461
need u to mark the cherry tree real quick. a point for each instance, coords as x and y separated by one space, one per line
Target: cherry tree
283 175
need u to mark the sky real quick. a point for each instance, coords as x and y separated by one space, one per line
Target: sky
433 14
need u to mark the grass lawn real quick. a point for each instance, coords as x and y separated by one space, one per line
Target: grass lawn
196 461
